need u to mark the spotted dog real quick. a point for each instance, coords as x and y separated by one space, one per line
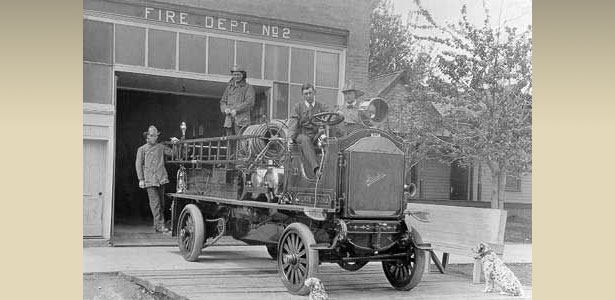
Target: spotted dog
317 289
496 273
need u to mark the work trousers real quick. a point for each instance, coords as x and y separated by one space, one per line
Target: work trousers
306 144
156 204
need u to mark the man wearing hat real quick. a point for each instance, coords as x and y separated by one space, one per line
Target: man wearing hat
350 110
237 101
153 175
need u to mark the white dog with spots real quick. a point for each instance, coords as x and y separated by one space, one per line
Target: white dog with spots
496 273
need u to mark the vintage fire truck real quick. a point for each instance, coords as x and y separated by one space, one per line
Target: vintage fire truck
254 187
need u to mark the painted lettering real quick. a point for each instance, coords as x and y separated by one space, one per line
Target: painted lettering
286 33
221 22
209 22
182 18
274 31
266 29
160 15
170 16
234 24
246 29
148 10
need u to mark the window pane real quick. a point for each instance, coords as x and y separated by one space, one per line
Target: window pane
129 45
249 56
327 96
161 47
97 83
302 66
220 55
295 95
327 69
192 53
280 100
276 63
97 41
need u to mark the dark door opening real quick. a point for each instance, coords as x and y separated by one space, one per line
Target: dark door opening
459 182
136 110
165 102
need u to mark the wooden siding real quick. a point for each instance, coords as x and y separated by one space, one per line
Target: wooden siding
434 180
522 196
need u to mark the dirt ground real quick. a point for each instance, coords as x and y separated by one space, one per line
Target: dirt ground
114 287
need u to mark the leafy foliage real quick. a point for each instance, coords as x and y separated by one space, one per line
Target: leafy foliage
482 84
389 42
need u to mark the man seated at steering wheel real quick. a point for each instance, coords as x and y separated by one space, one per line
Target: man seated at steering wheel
301 130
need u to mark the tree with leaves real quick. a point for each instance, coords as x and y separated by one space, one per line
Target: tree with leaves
482 83
389 43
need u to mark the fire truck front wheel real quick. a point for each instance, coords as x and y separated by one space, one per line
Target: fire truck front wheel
405 273
191 232
296 260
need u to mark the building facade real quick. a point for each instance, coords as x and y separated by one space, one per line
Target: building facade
163 62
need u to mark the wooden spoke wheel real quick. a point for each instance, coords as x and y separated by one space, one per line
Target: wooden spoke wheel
191 232
405 273
272 250
296 262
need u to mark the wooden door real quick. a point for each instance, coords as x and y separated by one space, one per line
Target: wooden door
94 172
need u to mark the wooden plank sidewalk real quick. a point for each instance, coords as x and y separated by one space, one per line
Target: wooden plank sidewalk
262 282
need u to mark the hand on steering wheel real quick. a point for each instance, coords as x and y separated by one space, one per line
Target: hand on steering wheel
326 118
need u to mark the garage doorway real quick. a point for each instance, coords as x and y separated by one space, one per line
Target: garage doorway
165 102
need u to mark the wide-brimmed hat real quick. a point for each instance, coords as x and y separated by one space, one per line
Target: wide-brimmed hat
349 86
152 130
237 68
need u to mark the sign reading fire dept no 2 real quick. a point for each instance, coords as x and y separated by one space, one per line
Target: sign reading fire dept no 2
199 18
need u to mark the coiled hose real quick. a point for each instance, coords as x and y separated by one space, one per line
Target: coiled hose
271 135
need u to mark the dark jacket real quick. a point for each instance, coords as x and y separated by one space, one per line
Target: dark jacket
239 97
300 116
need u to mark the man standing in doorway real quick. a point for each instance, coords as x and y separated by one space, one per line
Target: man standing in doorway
237 101
301 130
153 175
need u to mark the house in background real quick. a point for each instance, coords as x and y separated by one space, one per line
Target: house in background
438 182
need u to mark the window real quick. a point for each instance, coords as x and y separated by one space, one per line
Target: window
513 184
97 41
161 47
129 45
302 66
280 101
249 56
327 69
192 53
221 55
276 63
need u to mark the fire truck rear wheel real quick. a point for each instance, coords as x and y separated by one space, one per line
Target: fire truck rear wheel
404 274
191 232
296 261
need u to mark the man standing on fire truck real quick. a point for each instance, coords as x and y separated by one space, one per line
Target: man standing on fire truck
237 101
301 130
153 175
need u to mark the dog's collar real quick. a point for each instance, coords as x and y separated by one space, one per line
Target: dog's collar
485 253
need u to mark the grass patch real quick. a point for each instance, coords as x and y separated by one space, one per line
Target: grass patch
518 230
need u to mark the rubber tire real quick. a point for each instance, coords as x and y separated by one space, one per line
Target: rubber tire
414 272
191 251
304 237
272 249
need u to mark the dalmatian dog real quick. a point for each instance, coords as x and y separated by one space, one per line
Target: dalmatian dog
317 289
496 273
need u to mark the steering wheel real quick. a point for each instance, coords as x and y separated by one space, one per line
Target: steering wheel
326 119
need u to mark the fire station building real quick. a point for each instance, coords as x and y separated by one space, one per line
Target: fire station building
163 62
